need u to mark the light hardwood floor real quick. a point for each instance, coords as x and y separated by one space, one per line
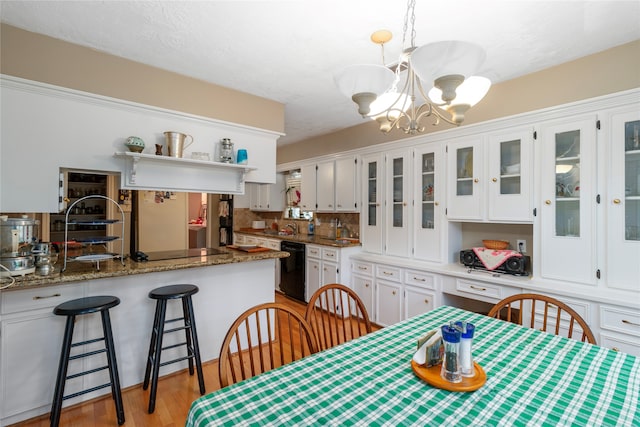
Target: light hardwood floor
175 394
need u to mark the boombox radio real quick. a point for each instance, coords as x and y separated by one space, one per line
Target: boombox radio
515 265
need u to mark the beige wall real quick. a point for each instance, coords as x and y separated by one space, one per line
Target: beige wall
40 58
611 71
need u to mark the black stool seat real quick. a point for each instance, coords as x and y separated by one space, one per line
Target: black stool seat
162 295
71 309
86 305
173 291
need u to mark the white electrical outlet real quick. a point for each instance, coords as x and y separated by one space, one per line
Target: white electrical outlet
521 246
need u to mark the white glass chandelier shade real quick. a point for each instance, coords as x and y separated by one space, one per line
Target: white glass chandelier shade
452 57
470 92
364 83
389 105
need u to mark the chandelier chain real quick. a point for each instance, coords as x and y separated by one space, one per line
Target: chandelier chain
410 16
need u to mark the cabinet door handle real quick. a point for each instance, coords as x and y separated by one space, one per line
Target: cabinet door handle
476 180
419 279
436 203
615 349
366 285
616 201
547 202
393 292
361 267
386 273
494 179
477 288
426 301
628 322
37 297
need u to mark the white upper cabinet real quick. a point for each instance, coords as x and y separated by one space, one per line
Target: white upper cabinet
465 181
398 200
308 187
490 177
568 200
346 184
509 186
372 198
621 137
325 187
330 186
267 197
429 193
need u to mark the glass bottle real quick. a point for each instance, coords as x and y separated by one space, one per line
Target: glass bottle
450 365
466 358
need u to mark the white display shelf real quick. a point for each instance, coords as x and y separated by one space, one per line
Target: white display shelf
164 173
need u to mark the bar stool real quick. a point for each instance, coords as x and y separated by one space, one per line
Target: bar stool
71 309
162 295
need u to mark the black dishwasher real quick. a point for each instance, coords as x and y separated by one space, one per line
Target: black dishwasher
292 278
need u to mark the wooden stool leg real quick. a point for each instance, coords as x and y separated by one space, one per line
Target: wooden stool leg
152 346
196 347
56 406
113 366
156 359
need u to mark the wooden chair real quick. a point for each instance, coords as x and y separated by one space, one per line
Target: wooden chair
550 319
336 315
263 338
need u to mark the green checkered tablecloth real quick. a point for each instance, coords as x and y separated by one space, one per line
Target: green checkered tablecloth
533 379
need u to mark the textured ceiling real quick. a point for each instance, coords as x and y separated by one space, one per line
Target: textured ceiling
288 51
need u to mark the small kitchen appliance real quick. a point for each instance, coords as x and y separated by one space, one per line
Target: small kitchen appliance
515 265
17 237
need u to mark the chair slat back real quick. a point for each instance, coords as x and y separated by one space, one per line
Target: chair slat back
337 315
554 316
263 338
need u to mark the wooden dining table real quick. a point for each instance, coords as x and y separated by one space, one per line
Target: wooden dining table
533 378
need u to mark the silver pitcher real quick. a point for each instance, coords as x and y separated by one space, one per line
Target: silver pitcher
176 143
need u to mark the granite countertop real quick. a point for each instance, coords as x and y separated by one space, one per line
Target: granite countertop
78 271
302 238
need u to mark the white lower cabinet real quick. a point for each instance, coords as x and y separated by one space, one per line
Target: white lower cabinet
326 265
388 302
28 325
620 329
417 301
393 293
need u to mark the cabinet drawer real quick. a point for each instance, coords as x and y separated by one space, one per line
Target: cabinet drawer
388 273
362 268
477 288
419 278
271 244
331 254
33 299
625 344
314 251
620 320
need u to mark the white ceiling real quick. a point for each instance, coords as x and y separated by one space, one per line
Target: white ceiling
287 51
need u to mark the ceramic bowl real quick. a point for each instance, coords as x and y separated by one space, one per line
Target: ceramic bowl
135 144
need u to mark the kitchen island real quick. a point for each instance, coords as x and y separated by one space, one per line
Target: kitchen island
31 335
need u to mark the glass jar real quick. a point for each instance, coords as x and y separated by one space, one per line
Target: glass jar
226 150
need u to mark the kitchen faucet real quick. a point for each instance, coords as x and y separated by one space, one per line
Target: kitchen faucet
294 227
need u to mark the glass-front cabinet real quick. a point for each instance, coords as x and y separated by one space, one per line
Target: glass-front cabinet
510 156
465 179
623 204
568 200
428 194
398 166
372 185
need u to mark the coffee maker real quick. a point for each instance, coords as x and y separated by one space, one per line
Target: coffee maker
17 237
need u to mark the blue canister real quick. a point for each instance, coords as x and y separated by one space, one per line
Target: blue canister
241 157
311 229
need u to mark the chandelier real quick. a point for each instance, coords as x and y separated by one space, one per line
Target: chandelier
444 68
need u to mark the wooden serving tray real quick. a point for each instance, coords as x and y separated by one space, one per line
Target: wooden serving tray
248 249
432 376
